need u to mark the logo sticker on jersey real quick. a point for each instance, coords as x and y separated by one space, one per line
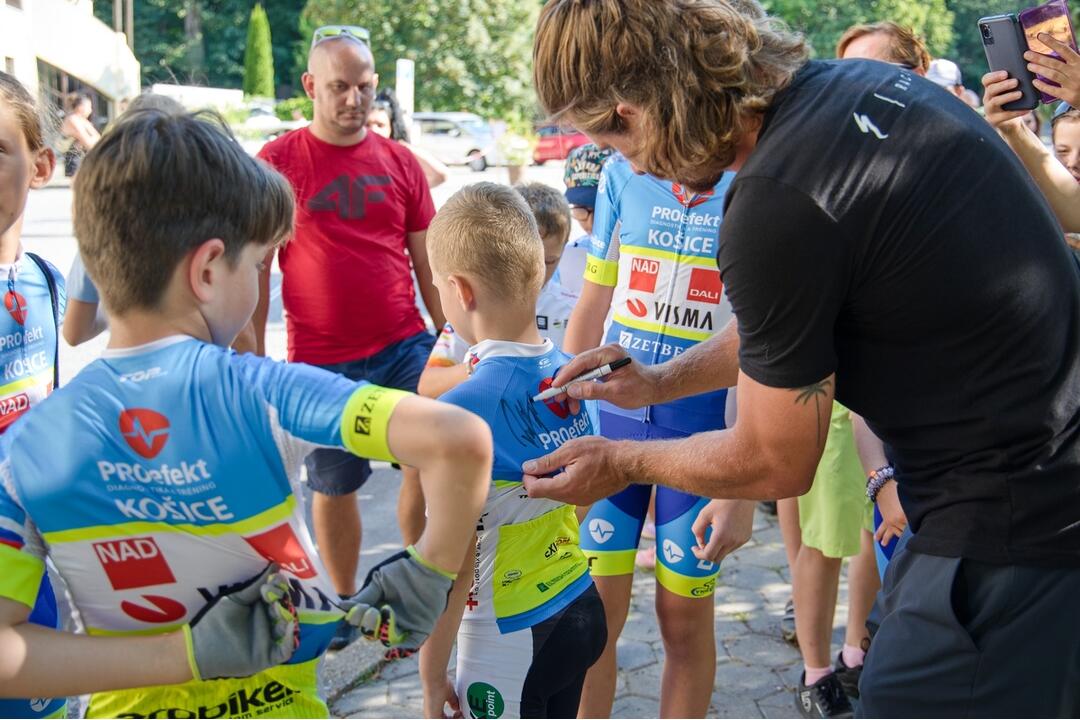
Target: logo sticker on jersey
684 196
672 552
643 274
162 610
637 308
485 701
601 530
561 409
133 563
146 431
541 322
281 545
705 286
12 408
16 305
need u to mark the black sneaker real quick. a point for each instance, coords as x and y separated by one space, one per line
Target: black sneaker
787 624
823 699
849 677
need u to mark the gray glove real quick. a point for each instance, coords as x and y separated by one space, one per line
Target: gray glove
253 628
401 600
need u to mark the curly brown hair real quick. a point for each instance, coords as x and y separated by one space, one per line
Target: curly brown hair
700 70
905 47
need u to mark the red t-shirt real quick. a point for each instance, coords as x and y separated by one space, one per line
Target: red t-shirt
347 283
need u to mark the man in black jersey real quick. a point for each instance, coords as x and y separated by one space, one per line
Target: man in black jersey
881 245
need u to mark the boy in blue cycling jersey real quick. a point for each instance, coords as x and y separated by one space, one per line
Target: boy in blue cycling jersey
162 481
533 622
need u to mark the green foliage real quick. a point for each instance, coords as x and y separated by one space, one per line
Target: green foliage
471 55
967 49
824 23
258 56
285 108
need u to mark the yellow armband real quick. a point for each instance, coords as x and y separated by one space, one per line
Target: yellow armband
601 272
366 420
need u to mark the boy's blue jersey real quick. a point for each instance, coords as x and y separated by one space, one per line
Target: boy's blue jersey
163 475
27 353
656 245
529 564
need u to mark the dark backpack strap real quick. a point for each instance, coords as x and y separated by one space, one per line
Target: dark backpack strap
54 296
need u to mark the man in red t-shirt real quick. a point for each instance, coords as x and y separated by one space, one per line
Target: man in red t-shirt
362 212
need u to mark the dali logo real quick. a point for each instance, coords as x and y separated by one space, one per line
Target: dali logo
146 431
16 305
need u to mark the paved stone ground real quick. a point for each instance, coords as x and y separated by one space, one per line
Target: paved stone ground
756 670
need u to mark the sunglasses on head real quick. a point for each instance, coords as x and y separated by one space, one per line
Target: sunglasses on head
326 32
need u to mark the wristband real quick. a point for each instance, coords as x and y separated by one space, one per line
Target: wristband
877 479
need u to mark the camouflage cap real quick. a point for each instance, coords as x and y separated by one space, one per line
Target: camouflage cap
583 166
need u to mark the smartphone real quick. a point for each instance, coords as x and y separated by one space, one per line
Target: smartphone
1003 41
1051 18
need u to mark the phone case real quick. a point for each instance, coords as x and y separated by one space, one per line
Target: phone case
1052 18
1003 41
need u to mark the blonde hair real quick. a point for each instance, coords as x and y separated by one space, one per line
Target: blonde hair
905 47
486 232
699 69
15 96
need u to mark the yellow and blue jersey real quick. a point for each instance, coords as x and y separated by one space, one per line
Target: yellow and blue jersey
528 564
160 478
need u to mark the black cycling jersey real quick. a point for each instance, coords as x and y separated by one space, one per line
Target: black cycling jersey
882 231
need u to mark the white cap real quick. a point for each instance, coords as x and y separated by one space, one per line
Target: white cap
945 73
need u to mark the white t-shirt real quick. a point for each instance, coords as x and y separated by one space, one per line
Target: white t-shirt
571 271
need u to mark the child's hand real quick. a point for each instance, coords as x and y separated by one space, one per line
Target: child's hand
439 695
893 519
732 522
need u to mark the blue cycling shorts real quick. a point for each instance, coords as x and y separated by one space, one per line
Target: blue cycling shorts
612 529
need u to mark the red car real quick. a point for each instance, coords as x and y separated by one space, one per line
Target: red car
556 143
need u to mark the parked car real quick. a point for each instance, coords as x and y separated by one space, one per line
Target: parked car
455 138
555 143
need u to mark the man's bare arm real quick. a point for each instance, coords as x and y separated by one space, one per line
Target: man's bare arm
417 244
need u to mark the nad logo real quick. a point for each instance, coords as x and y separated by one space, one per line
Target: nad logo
16 305
601 530
643 274
146 431
133 563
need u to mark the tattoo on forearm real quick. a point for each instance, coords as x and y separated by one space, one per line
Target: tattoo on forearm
814 392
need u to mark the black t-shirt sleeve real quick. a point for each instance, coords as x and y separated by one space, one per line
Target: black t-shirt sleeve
785 270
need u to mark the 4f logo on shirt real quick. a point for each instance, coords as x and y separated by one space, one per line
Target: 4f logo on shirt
16 305
348 197
146 431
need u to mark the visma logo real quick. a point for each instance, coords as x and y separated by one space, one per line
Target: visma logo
672 552
601 530
146 431
637 308
163 610
16 305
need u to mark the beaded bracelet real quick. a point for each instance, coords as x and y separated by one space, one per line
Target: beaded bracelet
877 479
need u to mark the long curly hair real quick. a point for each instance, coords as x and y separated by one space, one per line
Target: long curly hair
700 70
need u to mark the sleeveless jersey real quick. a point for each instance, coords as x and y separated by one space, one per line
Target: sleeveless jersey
529 564
656 244
177 481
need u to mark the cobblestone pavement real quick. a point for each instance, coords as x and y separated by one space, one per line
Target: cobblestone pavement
756 671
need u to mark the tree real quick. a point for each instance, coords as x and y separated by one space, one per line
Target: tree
823 24
473 55
967 49
258 56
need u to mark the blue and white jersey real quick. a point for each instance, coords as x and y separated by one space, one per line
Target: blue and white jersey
655 244
529 564
161 477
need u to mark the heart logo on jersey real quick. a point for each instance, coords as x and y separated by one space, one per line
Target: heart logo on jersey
16 305
561 409
146 431
164 610
637 308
